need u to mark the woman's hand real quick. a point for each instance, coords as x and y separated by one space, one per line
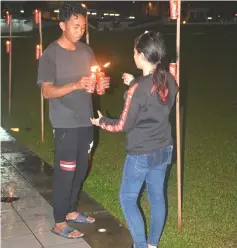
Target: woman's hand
127 78
96 122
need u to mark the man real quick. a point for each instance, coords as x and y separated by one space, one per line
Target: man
63 75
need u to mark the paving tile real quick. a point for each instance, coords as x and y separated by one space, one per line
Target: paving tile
10 216
13 229
32 202
81 244
24 241
36 213
40 224
48 239
6 207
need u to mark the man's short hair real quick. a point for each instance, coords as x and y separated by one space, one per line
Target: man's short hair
68 10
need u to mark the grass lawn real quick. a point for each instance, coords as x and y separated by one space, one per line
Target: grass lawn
209 119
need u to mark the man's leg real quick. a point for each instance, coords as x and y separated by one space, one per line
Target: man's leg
64 171
85 143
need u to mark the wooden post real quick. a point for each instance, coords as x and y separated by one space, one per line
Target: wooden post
10 67
179 167
41 95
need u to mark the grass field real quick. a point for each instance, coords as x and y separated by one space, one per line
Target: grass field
209 128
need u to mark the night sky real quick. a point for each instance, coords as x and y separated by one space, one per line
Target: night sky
223 7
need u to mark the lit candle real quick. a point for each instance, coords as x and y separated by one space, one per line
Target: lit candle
7 18
8 44
99 87
93 72
173 9
37 52
173 69
36 13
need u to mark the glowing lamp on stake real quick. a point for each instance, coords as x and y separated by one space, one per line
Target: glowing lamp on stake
37 52
8 44
173 9
7 18
36 14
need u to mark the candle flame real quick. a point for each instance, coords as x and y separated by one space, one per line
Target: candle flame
106 65
7 13
83 5
36 11
15 129
95 68
38 46
8 42
10 191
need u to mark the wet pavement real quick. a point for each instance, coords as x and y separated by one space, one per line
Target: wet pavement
26 222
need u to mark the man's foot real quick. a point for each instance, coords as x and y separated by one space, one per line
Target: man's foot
80 218
63 230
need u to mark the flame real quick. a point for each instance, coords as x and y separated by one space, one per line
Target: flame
83 5
36 11
7 13
15 129
95 68
106 65
8 42
10 191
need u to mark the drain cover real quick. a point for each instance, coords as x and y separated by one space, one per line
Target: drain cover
9 199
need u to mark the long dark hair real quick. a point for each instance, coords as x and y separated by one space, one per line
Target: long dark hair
152 45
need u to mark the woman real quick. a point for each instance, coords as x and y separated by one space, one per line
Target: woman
145 120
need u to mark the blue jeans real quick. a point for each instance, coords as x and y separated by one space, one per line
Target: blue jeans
149 168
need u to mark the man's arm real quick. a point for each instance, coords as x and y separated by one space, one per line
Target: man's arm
49 90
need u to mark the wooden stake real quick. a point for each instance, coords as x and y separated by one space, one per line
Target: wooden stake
87 29
10 67
41 95
179 167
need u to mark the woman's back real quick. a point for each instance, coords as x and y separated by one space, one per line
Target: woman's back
151 130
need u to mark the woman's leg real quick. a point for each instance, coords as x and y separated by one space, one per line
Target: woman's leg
135 171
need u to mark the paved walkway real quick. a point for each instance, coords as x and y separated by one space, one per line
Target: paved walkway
26 223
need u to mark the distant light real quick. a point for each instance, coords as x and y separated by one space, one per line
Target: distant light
209 18
22 11
106 14
117 14
88 13
15 129
93 13
184 22
219 16
111 14
133 2
131 17
56 11
83 5
235 14
101 230
102 17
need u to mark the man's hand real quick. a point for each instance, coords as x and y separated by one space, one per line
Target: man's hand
84 83
96 122
106 82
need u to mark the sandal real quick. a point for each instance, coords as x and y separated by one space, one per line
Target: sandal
66 231
81 218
